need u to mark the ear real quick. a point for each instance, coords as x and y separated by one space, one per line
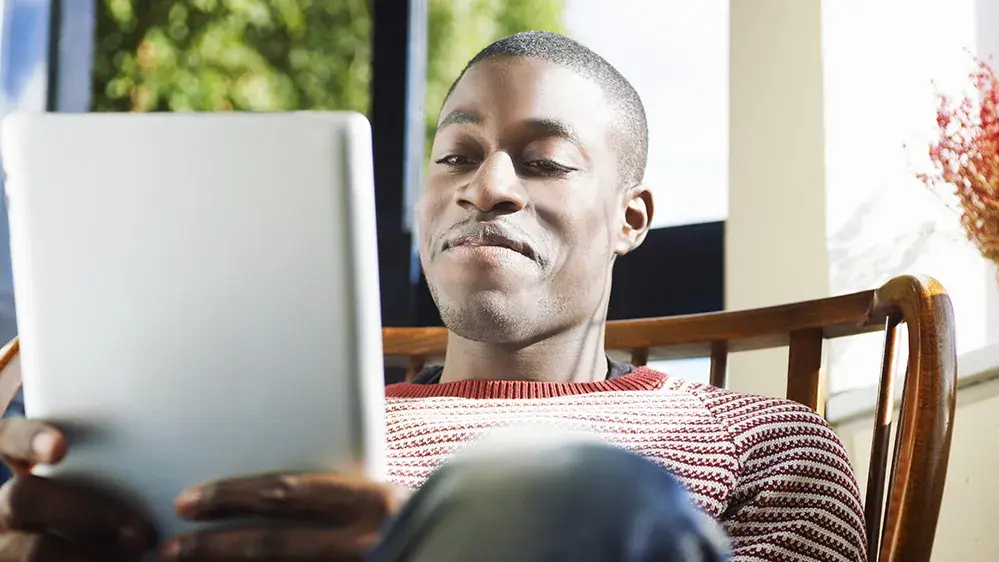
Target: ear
636 219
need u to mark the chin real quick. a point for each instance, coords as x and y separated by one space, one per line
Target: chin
467 280
490 316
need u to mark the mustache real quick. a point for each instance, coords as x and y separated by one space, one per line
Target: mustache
472 232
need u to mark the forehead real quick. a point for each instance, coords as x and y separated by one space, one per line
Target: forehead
507 92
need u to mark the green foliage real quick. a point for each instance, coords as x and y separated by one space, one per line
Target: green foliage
274 55
460 28
210 55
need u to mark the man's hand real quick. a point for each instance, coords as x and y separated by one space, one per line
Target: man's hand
43 520
305 517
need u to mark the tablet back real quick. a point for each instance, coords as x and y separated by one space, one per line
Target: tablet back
197 295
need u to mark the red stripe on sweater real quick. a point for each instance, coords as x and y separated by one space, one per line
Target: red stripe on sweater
640 379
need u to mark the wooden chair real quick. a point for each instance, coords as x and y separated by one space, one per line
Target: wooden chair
915 481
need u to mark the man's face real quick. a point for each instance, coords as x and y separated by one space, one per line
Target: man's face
522 215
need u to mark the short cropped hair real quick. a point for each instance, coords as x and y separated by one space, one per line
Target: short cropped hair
632 125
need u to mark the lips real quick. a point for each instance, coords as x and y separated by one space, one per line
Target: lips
493 239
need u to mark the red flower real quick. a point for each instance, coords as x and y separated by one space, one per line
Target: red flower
943 118
965 158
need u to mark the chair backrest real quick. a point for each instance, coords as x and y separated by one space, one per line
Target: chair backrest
918 469
915 481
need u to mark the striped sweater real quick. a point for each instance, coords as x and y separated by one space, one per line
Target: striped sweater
771 471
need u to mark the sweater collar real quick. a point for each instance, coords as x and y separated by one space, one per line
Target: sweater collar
640 379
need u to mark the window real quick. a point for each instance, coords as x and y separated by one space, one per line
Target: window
675 53
880 64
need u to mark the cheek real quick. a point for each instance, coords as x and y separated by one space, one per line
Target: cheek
430 211
587 225
587 246
434 200
580 224
425 224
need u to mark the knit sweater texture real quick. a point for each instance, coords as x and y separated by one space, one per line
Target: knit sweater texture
771 471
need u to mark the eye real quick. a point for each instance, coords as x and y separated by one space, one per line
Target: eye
548 168
454 160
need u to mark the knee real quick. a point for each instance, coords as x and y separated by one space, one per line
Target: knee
529 489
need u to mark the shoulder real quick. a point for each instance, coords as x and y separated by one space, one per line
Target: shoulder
760 421
778 438
796 491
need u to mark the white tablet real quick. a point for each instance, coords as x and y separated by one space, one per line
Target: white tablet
197 294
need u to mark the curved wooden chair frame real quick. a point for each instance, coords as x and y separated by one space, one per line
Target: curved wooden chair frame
899 530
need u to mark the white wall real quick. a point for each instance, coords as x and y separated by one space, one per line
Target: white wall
970 508
775 235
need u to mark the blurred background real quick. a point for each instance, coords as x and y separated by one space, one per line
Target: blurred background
785 135
394 61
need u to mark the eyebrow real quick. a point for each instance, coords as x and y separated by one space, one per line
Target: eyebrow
543 125
554 128
458 117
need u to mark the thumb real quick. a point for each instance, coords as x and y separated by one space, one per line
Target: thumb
25 443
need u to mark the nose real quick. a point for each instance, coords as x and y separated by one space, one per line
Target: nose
495 189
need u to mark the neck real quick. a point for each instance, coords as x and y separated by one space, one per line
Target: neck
576 355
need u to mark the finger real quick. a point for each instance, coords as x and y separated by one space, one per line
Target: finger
270 543
25 547
30 503
334 498
26 442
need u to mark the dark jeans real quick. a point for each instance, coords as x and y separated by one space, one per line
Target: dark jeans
557 501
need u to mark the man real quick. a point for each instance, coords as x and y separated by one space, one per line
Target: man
533 192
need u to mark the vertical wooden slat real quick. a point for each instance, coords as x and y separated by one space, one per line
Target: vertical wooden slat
640 356
719 364
413 366
873 506
804 369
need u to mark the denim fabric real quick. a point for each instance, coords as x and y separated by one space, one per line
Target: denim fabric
572 502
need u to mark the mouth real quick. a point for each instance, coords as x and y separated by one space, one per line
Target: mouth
494 240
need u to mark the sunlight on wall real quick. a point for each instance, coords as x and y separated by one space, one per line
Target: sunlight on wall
883 64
